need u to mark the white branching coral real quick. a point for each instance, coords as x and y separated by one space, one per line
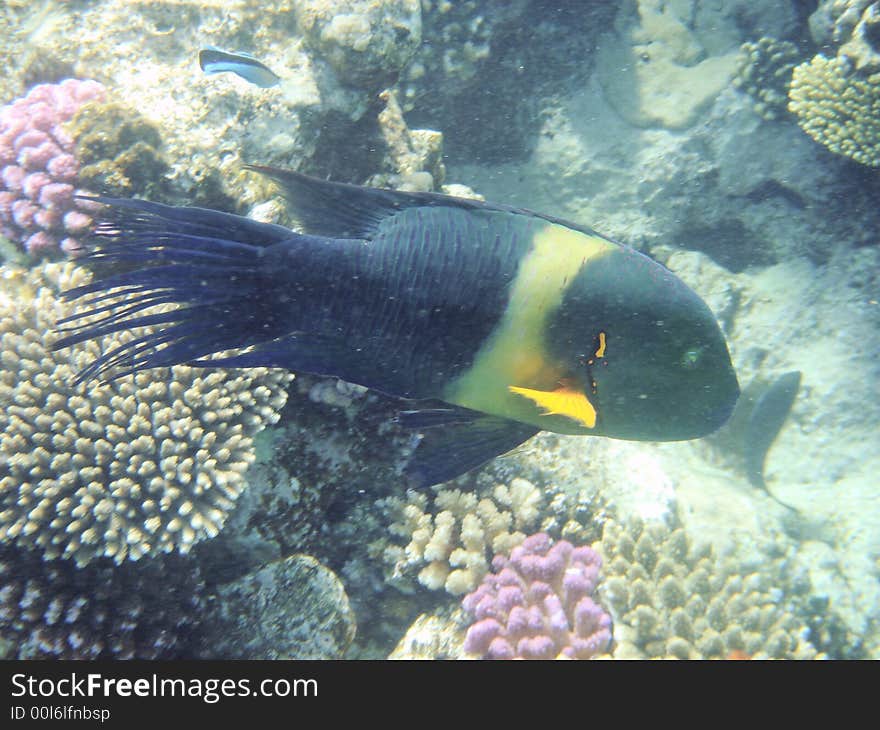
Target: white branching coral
146 464
450 543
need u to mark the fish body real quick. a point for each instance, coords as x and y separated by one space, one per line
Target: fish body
507 322
213 60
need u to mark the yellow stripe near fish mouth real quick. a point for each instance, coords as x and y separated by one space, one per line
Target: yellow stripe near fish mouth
515 353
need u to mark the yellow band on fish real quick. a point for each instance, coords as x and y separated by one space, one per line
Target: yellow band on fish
516 353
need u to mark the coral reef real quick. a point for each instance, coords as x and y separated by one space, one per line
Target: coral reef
670 599
414 158
537 604
117 149
366 43
138 466
54 609
838 107
294 608
451 547
39 168
764 73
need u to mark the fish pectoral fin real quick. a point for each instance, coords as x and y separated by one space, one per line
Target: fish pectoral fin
446 452
563 401
436 415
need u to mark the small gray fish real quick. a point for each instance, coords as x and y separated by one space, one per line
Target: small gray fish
770 410
213 60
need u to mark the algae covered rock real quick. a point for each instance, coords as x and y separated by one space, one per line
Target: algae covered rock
294 608
118 150
656 71
366 43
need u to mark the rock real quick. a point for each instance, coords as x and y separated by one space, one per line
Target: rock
294 608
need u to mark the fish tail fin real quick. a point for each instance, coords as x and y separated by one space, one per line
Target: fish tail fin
215 267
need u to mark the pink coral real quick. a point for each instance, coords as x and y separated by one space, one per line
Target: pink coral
38 169
538 604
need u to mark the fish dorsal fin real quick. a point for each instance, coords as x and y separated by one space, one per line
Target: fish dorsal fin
343 210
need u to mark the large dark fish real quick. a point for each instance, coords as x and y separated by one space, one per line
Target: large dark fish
504 321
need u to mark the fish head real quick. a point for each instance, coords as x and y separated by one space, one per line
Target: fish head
645 350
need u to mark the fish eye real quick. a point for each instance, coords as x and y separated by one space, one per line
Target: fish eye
691 357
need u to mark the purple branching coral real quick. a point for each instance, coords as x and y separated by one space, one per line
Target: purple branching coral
38 168
537 604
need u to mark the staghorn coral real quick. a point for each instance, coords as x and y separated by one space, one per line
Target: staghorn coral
39 169
53 609
139 466
450 544
764 73
838 107
537 604
669 599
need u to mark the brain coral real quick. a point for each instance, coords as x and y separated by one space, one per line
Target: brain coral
838 107
38 168
142 465
670 600
537 604
52 609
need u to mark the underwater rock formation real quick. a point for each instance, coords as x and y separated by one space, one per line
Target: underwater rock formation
486 68
366 43
657 71
39 169
134 467
538 604
54 609
669 599
294 608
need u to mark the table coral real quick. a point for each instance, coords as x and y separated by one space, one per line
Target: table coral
538 604
139 466
838 107
39 169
